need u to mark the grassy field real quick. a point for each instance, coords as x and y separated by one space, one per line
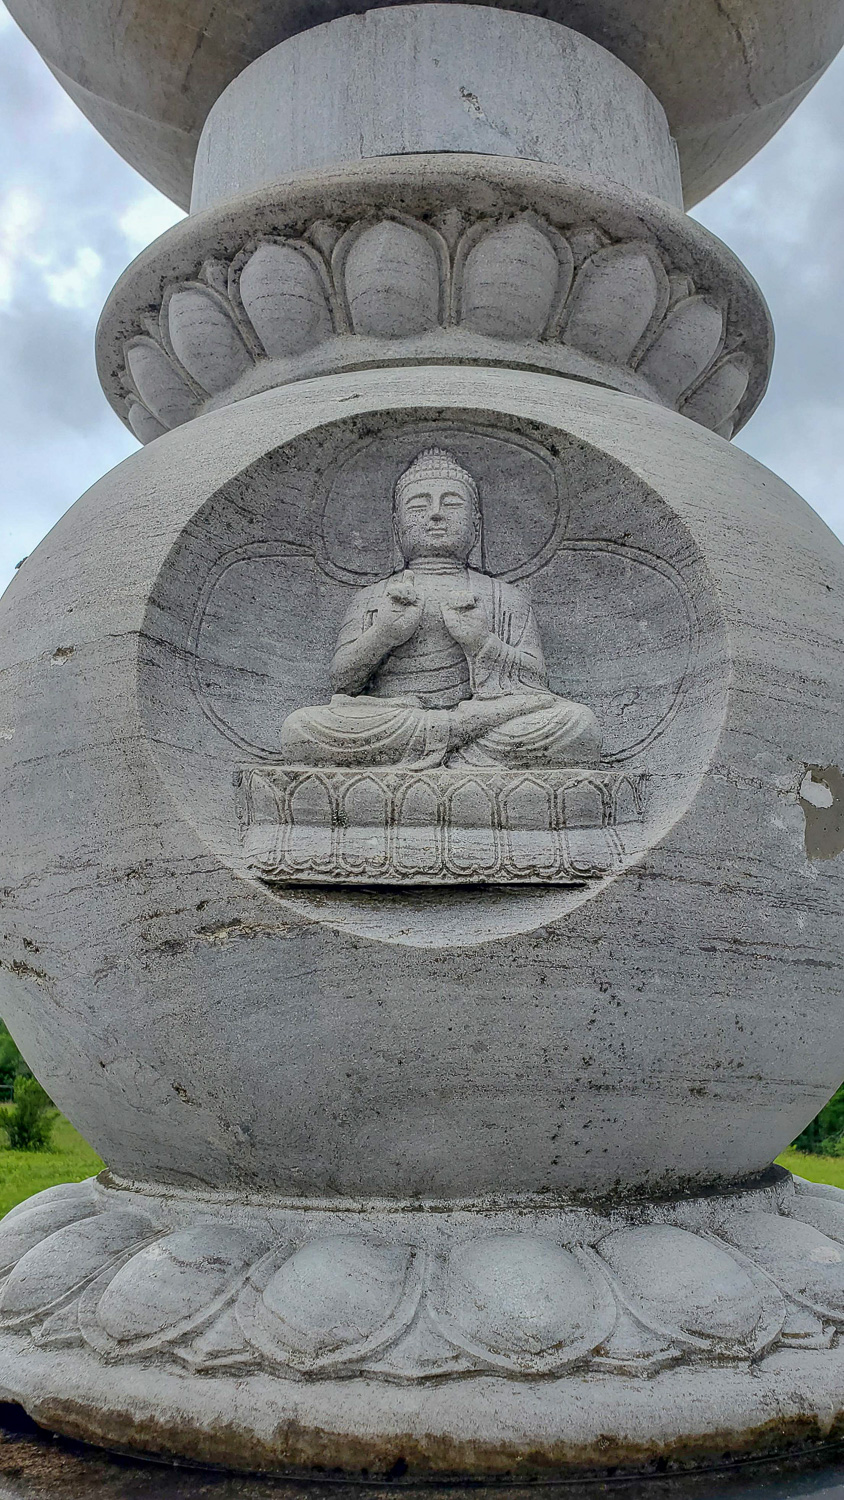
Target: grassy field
70 1159
23 1173
815 1168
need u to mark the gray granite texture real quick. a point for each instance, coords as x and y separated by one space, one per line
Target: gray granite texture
417 78
509 1342
423 259
670 1023
34 1465
726 75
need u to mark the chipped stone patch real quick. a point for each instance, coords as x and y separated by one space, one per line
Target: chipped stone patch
822 800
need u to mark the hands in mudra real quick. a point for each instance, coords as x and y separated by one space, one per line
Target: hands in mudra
465 621
401 611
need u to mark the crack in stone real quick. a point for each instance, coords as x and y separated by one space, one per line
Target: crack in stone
747 58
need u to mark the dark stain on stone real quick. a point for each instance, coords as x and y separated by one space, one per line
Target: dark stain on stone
181 1091
299 1451
62 653
821 794
22 970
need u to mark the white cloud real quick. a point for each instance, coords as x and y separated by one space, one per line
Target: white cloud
784 217
77 285
20 216
145 219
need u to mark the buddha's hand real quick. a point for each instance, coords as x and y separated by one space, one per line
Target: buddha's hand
465 621
399 612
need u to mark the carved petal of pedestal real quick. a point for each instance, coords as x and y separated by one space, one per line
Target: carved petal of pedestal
83 1193
393 279
283 290
144 425
65 1261
618 295
522 1303
333 1302
205 338
824 1214
690 339
165 392
692 1291
455 270
33 1222
169 1288
715 400
512 281
799 1257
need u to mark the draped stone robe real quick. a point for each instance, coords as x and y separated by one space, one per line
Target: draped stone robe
428 704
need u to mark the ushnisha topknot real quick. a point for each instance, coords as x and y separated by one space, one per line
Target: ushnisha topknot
435 463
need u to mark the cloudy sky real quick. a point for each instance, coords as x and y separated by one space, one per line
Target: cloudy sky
72 215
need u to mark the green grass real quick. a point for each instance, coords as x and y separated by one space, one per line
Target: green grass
22 1173
70 1159
815 1168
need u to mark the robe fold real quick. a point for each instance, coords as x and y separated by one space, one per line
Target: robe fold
427 703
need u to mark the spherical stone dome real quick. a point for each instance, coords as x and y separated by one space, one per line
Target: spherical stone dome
147 75
665 1024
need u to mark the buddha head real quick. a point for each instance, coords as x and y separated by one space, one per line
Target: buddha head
436 508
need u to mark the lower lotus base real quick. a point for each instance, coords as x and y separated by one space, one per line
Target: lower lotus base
443 1341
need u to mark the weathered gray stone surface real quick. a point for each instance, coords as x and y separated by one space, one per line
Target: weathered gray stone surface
372 1341
421 857
726 76
676 1022
436 77
34 1466
522 265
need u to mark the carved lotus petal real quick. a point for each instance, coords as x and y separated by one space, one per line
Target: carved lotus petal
21 1233
170 1284
393 281
511 279
800 1258
716 399
522 1303
824 1214
79 1192
160 386
334 1298
615 297
66 1260
680 287
689 340
205 337
691 1290
145 426
285 298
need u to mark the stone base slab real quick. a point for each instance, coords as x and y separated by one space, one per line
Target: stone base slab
427 1339
443 826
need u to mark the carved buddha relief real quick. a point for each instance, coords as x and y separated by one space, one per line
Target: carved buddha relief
440 664
511 626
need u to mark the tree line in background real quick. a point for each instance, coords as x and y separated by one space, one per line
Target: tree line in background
28 1122
825 1135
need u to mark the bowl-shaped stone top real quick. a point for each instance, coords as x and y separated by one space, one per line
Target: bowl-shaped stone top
146 73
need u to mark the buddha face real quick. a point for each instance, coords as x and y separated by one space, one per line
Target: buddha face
437 518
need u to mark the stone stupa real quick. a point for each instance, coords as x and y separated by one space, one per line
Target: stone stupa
422 850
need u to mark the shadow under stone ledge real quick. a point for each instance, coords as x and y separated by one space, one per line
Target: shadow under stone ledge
34 1465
